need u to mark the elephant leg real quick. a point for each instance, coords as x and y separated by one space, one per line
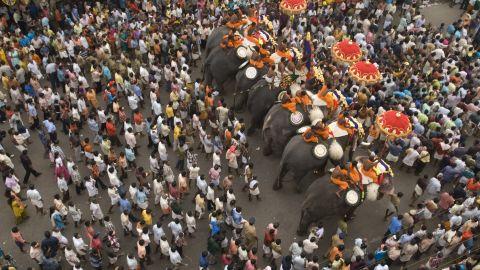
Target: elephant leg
255 123
207 75
299 177
240 100
305 221
282 172
267 145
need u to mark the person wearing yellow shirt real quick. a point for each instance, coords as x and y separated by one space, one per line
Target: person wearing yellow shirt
177 131
170 114
147 216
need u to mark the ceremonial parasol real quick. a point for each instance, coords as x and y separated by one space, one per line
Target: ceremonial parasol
365 72
346 51
293 7
394 124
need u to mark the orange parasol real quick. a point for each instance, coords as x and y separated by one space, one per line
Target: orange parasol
346 51
394 123
365 72
293 7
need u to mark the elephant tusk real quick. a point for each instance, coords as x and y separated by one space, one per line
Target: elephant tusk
243 64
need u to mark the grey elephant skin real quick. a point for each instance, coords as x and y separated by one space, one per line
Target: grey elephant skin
298 159
260 99
277 129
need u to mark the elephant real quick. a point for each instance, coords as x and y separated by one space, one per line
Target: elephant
277 129
298 156
261 98
215 38
321 201
244 84
222 65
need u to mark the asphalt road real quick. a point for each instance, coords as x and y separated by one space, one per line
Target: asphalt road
282 206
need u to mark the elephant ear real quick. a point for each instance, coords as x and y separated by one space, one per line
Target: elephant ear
335 151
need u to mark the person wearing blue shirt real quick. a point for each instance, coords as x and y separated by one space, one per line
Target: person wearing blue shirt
237 215
130 156
394 227
61 76
51 129
106 73
124 205
203 262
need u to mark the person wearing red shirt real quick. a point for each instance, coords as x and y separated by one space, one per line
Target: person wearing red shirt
473 185
112 132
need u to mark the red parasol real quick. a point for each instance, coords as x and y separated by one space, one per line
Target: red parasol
365 72
394 123
346 51
293 7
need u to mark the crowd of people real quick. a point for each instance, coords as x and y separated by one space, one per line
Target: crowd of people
109 75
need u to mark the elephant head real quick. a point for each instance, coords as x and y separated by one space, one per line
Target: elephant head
321 201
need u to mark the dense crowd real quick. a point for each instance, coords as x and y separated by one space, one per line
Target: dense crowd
108 75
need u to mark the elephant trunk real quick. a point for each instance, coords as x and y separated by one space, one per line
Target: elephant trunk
304 223
283 170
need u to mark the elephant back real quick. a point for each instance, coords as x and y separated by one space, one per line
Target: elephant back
244 82
261 95
215 38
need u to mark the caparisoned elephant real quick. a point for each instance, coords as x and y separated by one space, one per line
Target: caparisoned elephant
246 78
261 98
298 158
222 65
277 128
321 201
215 38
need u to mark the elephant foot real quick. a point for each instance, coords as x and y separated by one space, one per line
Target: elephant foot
278 185
301 232
267 151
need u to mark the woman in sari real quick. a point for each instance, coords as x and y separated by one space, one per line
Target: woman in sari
18 209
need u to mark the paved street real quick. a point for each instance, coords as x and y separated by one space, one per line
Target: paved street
282 206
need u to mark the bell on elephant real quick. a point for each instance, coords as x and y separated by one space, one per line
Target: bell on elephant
251 73
319 151
241 52
352 197
296 118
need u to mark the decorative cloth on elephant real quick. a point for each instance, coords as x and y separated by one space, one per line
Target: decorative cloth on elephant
339 177
345 124
368 169
231 41
312 135
284 54
354 174
328 97
234 23
289 103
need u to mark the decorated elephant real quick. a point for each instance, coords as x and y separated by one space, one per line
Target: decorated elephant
301 157
261 97
215 38
280 125
245 79
222 65
321 201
